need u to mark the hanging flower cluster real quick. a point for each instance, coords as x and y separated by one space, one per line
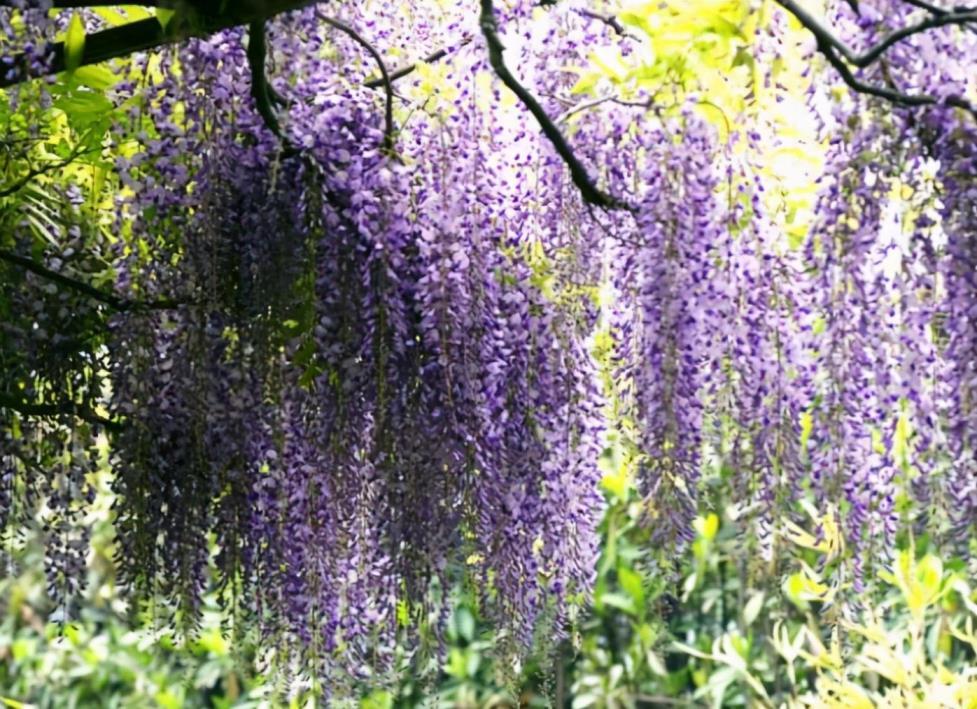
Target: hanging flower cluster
367 391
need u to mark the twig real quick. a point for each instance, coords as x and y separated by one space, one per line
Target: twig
935 10
23 181
388 135
587 105
580 107
609 20
92 292
403 71
61 408
588 190
921 4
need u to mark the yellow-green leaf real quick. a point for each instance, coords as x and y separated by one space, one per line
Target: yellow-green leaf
74 43
631 582
96 77
707 526
163 16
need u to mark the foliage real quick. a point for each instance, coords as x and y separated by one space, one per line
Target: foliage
102 656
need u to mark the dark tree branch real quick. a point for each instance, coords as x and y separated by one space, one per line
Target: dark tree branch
80 4
935 10
933 22
257 53
840 56
59 278
194 19
110 299
864 59
591 194
61 408
388 109
403 71
99 47
33 172
609 20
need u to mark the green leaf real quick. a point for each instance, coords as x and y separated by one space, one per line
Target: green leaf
83 108
753 608
163 16
95 77
465 624
744 57
168 699
378 699
74 43
21 649
619 601
403 613
631 582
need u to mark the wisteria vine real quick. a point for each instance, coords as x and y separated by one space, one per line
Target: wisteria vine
347 357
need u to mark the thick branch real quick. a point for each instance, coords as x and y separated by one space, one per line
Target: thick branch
831 47
80 4
92 292
99 47
257 52
589 191
936 10
149 34
873 53
61 408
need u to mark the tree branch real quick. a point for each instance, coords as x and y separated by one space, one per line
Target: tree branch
933 22
823 34
591 194
149 34
587 105
80 4
830 46
609 20
409 68
61 408
388 110
23 181
92 292
935 10
99 47
257 52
